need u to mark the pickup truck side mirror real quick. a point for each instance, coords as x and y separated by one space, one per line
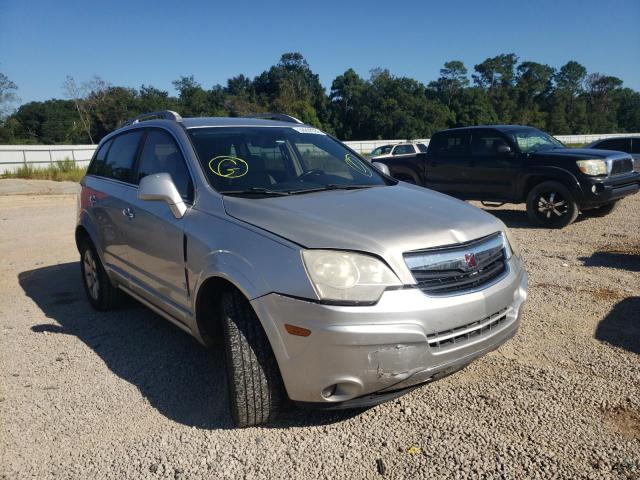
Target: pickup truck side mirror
503 150
159 187
382 167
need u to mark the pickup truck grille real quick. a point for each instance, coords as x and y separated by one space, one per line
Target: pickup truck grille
622 165
458 268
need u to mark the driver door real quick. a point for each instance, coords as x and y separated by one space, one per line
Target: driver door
155 237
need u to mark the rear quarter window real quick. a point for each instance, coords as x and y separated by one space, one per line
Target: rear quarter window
98 161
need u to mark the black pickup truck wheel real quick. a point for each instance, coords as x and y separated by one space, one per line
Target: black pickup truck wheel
255 386
551 205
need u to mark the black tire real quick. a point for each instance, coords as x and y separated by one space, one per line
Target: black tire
551 205
256 392
601 211
102 294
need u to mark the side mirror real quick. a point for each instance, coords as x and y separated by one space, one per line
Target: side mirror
382 167
503 150
159 187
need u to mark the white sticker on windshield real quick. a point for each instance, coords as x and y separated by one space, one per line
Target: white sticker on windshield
312 130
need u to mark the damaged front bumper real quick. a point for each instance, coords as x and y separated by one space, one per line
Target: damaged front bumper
362 355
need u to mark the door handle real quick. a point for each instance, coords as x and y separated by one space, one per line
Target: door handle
93 199
128 212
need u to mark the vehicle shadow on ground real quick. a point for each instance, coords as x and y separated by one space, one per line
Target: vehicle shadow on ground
619 260
179 377
519 218
621 326
512 218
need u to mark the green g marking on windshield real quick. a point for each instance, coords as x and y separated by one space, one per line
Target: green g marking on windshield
228 167
357 165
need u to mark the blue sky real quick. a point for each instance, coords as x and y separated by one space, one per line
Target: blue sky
136 42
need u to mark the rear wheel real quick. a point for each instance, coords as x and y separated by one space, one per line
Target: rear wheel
255 386
551 205
602 210
102 294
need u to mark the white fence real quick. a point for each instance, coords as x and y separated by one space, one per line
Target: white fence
13 157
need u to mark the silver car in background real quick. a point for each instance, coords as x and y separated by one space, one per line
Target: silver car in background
328 282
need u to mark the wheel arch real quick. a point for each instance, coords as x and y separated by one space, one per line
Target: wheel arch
551 174
403 172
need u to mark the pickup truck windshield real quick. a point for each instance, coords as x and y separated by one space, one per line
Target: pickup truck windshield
532 140
277 160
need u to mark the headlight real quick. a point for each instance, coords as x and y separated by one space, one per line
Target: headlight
592 167
511 245
346 276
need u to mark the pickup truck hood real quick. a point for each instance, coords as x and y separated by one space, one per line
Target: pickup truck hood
580 153
386 221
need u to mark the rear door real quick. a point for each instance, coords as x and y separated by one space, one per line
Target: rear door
155 238
492 175
448 162
107 187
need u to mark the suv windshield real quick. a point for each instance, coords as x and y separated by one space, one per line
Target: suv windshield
277 160
532 140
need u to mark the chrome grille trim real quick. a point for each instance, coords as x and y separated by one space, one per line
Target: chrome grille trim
465 333
448 270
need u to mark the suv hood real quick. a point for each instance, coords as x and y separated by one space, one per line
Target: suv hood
386 221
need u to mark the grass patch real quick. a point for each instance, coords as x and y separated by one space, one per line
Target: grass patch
65 170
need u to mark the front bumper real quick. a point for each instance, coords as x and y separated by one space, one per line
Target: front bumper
406 339
598 191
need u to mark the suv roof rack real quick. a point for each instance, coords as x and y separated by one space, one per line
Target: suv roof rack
162 114
274 116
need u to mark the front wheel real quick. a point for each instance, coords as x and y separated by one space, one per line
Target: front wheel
255 386
551 205
602 210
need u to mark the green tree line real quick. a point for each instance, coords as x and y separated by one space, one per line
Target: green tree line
501 89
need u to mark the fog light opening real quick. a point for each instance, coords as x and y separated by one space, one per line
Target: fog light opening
329 391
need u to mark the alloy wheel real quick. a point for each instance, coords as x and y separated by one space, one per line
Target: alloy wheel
91 274
551 205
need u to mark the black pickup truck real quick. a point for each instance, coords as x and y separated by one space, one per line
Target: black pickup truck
516 164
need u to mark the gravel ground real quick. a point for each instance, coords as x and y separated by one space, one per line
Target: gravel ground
125 394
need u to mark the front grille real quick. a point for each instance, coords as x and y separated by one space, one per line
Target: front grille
465 333
452 270
621 165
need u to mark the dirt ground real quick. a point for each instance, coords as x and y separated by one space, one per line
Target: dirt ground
124 394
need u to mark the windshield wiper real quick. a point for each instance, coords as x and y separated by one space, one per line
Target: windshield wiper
254 191
330 186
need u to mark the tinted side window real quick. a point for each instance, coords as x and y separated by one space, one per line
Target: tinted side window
119 162
620 144
485 145
98 162
635 146
453 145
161 155
403 150
422 147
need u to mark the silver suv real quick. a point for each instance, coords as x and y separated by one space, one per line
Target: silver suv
329 282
